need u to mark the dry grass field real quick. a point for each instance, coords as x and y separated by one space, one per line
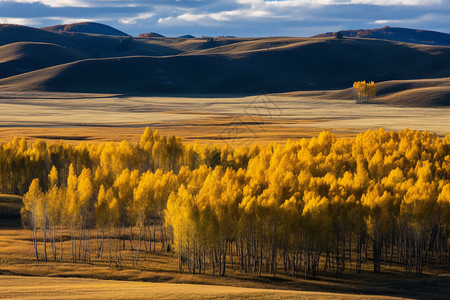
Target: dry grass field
76 288
236 120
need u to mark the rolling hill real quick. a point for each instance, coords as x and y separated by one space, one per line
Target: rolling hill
150 35
17 33
89 45
313 64
22 57
187 36
63 61
398 34
87 27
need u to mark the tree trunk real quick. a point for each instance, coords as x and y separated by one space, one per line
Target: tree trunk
154 237
35 241
60 245
101 242
45 239
123 235
139 245
180 254
131 237
53 242
109 239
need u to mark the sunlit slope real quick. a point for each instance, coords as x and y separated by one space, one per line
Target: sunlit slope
22 57
75 288
314 65
423 92
193 44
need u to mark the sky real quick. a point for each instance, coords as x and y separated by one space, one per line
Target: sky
243 18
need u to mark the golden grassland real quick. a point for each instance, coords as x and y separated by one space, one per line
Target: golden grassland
235 120
53 279
76 288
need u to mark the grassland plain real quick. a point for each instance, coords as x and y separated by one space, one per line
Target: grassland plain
236 119
77 288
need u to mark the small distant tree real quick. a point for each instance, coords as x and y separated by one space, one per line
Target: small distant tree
364 91
208 38
338 35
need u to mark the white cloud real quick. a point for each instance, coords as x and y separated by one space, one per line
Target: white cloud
386 22
57 3
223 16
281 9
20 21
133 20
62 20
421 19
300 3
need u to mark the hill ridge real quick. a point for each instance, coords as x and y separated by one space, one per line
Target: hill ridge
87 27
399 34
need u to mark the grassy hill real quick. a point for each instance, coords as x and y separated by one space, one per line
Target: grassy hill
406 35
18 33
151 35
22 57
246 66
90 45
66 61
87 27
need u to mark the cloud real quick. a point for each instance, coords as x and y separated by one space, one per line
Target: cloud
133 20
421 19
57 3
20 21
301 3
223 16
62 20
232 17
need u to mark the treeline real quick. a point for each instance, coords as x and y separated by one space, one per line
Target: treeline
303 207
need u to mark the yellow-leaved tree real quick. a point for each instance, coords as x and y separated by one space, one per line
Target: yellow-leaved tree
32 201
364 91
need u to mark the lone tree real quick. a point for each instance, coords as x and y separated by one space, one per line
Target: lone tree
338 35
364 91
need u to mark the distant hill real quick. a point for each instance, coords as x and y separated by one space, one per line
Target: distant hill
308 64
406 35
22 57
18 33
48 60
187 36
87 44
87 27
150 35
